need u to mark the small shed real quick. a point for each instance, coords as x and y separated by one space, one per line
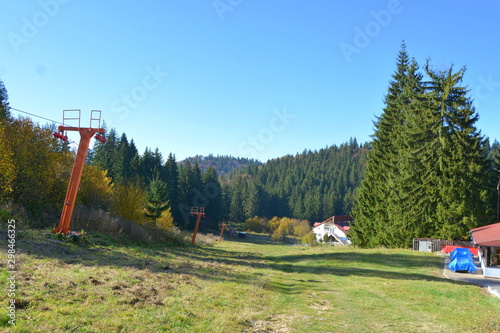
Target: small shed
487 238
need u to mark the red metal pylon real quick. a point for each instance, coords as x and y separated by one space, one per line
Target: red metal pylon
76 174
222 225
200 212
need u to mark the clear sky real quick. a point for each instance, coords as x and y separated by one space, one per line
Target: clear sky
248 78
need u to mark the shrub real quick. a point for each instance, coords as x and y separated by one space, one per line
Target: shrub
309 238
301 228
325 239
166 220
95 189
257 224
97 220
127 202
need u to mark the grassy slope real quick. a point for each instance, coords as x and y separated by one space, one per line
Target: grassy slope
240 286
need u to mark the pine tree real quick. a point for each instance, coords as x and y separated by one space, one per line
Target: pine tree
185 193
460 164
380 197
213 193
251 202
427 175
103 153
156 200
121 168
238 191
172 180
5 115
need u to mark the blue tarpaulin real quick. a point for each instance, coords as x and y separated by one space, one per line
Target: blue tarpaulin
463 264
460 253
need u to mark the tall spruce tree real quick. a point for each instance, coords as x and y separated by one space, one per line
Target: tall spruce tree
172 180
461 164
238 192
212 191
379 211
427 175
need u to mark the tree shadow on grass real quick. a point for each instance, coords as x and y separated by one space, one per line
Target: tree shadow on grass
209 263
261 240
343 264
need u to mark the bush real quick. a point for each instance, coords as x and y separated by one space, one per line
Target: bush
309 239
166 221
257 224
95 189
97 220
127 202
278 227
301 228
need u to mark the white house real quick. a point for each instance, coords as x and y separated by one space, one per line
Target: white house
487 238
335 227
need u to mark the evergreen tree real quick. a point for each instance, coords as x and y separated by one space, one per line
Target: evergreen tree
378 216
103 153
133 156
238 189
185 193
151 165
427 174
251 202
156 200
213 193
196 182
5 115
172 180
461 164
121 168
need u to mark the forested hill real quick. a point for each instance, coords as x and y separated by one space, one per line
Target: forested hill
313 185
222 164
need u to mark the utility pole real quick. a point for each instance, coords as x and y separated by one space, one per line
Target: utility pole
76 174
199 212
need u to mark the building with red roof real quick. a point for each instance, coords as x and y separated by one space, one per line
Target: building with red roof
487 238
335 227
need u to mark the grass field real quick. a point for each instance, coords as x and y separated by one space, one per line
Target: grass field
238 286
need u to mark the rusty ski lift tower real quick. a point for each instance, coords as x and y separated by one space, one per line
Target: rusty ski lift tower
86 133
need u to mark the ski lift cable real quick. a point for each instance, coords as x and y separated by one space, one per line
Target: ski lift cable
34 115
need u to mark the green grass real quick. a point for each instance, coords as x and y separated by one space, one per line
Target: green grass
240 286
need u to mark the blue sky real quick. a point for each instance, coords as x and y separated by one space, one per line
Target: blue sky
248 78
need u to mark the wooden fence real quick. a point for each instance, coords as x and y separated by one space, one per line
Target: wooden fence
437 244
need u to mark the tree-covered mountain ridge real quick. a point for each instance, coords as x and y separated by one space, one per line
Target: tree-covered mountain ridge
312 185
223 164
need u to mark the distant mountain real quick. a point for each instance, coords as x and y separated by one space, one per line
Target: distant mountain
310 186
222 164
